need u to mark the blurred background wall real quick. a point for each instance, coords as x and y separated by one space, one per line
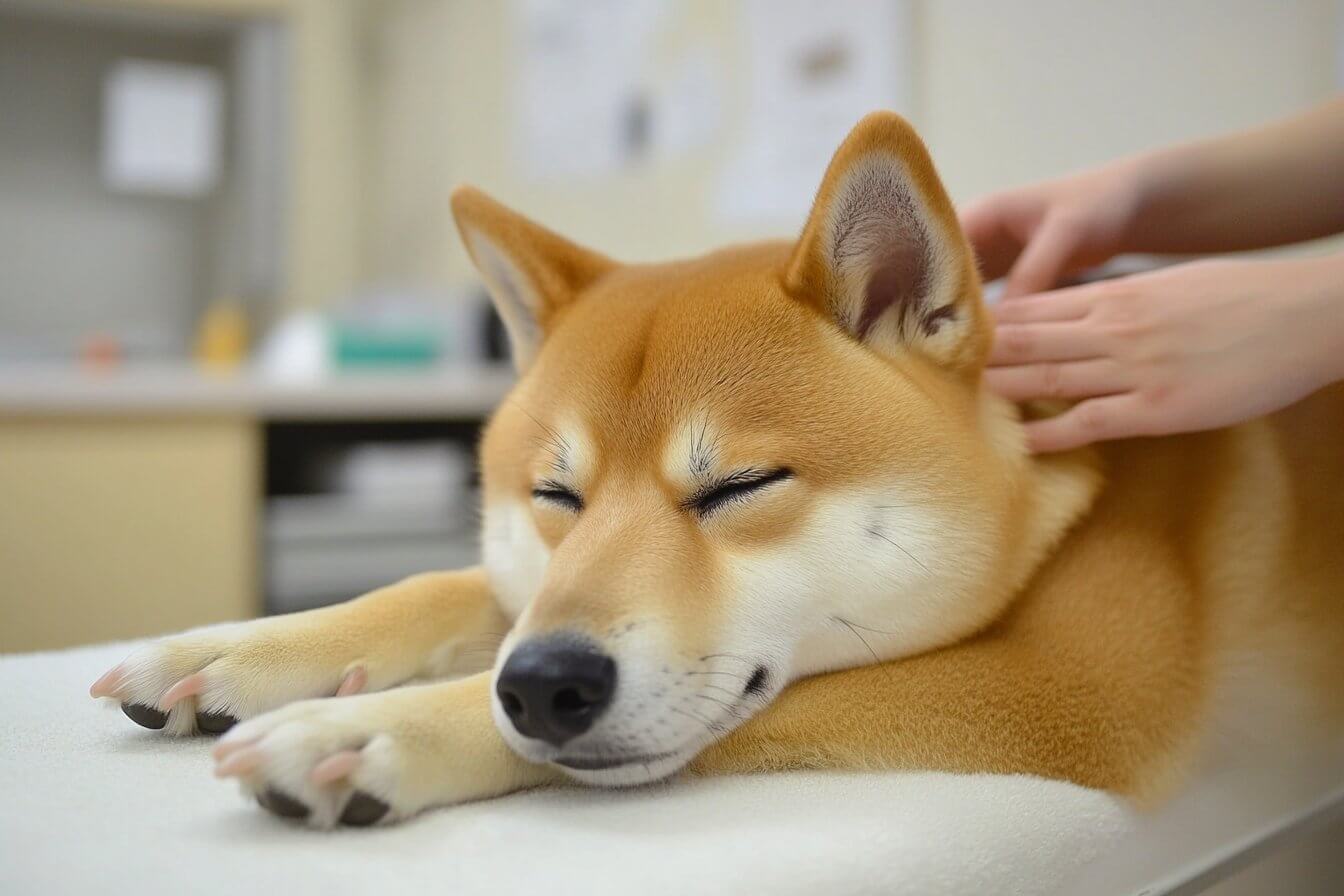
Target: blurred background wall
389 104
1002 92
243 358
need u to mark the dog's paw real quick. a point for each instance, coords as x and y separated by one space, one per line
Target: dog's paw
362 761
207 679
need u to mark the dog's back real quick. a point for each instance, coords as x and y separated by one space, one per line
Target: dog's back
1228 622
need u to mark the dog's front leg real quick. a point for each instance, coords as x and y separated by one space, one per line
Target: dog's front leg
208 678
378 757
993 704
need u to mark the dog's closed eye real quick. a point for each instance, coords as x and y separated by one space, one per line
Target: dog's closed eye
563 496
735 487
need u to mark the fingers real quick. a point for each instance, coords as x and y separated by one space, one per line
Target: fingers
1094 420
1073 303
1071 379
1052 341
1043 261
985 225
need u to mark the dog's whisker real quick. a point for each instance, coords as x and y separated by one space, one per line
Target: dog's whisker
708 724
878 533
876 631
730 656
722 703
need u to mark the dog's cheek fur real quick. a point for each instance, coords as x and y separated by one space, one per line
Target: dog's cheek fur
824 600
514 554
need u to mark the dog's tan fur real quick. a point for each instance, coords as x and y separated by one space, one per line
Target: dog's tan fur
1078 616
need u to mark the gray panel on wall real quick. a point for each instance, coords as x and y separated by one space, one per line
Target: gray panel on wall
76 258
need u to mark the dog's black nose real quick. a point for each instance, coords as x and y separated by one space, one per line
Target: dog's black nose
554 688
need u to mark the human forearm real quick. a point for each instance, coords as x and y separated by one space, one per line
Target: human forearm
1278 184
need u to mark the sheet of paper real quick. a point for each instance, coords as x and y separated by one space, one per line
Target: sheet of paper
162 128
815 70
688 105
580 105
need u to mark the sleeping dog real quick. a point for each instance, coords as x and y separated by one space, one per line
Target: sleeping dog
754 511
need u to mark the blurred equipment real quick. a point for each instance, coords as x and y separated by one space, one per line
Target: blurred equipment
381 331
366 513
295 350
100 352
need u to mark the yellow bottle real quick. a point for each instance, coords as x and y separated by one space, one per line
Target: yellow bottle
221 339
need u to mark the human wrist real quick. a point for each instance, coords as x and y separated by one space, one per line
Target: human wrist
1158 183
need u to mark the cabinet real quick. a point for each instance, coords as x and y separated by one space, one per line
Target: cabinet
120 528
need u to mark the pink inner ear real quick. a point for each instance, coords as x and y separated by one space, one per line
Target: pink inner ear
898 282
879 237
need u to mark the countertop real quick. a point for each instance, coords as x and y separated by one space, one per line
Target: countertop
53 390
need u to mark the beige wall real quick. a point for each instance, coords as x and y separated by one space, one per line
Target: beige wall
1005 92
1016 91
395 101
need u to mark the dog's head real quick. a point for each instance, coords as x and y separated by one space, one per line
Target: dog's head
718 475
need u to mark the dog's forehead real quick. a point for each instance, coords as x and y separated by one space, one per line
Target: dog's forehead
645 352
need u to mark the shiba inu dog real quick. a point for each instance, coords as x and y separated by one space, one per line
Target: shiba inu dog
754 511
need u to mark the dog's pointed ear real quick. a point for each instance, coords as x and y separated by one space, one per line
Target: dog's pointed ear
530 272
883 254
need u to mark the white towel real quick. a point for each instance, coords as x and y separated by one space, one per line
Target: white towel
93 804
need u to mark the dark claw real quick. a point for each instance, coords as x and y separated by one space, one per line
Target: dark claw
282 804
147 716
363 810
214 722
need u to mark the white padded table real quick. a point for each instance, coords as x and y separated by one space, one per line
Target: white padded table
92 803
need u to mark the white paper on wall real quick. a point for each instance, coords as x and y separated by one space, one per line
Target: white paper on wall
580 105
162 128
688 105
815 70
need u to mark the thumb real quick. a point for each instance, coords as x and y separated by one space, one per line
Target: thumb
1043 261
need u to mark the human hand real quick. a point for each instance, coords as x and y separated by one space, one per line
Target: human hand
1039 234
1191 347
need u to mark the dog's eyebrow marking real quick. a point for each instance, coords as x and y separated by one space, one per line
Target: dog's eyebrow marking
692 451
553 443
703 453
565 449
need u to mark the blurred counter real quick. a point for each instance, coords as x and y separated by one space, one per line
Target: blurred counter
147 499
180 389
